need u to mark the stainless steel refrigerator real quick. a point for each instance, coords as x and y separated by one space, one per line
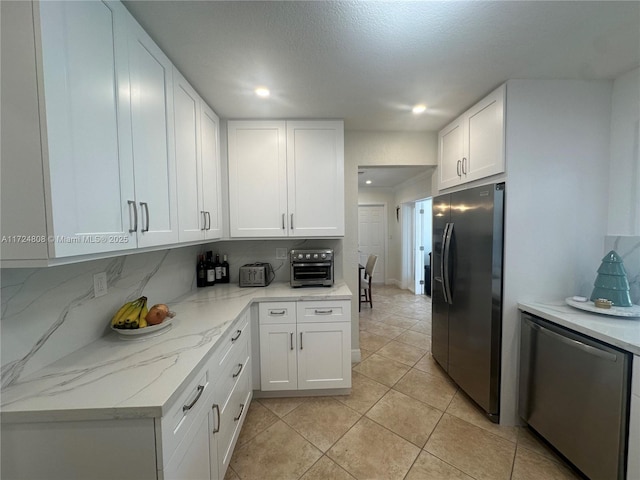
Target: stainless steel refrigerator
467 290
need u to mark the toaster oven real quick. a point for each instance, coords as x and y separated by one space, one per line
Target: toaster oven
311 267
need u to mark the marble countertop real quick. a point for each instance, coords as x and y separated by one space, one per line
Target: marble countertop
141 377
619 331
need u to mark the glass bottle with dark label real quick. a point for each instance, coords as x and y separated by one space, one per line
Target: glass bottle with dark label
218 266
225 269
201 272
211 272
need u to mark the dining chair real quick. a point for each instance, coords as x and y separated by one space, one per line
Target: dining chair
365 282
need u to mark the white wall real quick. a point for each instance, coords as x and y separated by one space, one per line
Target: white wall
624 179
557 148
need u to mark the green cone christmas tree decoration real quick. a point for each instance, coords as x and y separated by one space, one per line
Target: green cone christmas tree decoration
611 282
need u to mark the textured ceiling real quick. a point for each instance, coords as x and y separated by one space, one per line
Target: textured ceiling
369 62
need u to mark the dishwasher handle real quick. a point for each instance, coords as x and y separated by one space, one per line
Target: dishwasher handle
591 350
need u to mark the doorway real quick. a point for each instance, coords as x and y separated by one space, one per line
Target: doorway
422 247
371 237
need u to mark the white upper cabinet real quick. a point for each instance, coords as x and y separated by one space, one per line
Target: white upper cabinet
85 164
472 146
88 140
156 207
257 179
211 172
198 164
315 174
286 178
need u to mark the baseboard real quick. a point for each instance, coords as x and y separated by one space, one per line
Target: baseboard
356 356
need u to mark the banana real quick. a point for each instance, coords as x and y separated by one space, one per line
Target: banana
127 318
121 311
142 318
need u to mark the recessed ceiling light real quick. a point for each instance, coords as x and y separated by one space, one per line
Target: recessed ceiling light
368 182
262 92
418 109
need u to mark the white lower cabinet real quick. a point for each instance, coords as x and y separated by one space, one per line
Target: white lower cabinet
633 459
305 345
220 401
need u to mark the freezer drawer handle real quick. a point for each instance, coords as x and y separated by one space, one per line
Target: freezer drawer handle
574 343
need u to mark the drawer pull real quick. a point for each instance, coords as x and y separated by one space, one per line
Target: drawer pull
277 313
238 333
235 419
238 372
324 312
186 408
291 340
216 407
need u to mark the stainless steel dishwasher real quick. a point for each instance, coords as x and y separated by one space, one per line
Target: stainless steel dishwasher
574 391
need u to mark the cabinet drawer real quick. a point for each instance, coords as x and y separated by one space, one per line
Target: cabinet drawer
337 311
232 416
231 374
236 336
180 416
277 312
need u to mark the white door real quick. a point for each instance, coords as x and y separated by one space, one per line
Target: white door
258 179
451 152
315 169
211 180
84 60
371 236
278 363
324 355
151 75
186 104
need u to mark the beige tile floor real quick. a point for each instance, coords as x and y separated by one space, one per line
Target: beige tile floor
404 418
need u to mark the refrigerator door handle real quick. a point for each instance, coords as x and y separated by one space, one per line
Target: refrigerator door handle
446 263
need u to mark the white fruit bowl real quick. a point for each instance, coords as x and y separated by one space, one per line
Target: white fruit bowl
151 330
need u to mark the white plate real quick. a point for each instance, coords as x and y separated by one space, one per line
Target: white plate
631 312
151 330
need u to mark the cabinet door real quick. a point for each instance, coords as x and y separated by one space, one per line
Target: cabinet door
278 369
87 150
485 137
451 153
315 173
211 176
191 459
153 146
186 106
324 355
257 179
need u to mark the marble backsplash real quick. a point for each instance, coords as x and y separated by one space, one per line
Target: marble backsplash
48 313
628 247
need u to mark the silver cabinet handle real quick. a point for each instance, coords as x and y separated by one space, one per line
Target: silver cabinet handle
135 216
291 340
146 209
208 220
324 312
238 372
216 407
300 340
458 168
186 408
283 221
235 419
291 222
204 220
464 165
277 313
238 333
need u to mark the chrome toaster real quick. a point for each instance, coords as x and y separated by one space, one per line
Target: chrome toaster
256 275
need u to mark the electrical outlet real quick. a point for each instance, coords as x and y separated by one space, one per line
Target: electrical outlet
100 284
281 253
